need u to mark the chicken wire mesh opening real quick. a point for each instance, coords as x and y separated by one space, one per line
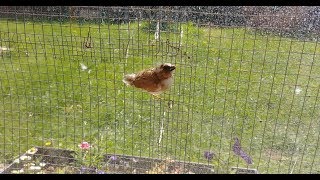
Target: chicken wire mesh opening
246 73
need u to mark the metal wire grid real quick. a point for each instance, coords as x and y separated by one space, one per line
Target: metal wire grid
96 107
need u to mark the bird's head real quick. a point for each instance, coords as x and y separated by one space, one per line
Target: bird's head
167 67
165 70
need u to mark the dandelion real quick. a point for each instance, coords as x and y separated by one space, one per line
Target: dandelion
32 150
47 143
238 151
84 145
208 155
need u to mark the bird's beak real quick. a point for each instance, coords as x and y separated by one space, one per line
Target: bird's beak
172 68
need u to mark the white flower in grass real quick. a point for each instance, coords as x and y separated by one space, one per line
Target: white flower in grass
35 168
4 49
42 164
298 90
29 164
25 158
83 67
16 161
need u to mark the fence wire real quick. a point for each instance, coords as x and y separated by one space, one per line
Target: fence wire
244 97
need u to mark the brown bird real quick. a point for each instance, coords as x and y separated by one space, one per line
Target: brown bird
154 80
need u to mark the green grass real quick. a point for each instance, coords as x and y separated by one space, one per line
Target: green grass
234 83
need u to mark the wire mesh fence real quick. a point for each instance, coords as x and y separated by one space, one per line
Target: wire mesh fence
244 97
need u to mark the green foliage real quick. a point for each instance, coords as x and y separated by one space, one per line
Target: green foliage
228 82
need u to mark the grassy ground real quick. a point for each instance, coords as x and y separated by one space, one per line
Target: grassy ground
228 82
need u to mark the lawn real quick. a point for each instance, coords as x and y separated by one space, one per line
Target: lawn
229 82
